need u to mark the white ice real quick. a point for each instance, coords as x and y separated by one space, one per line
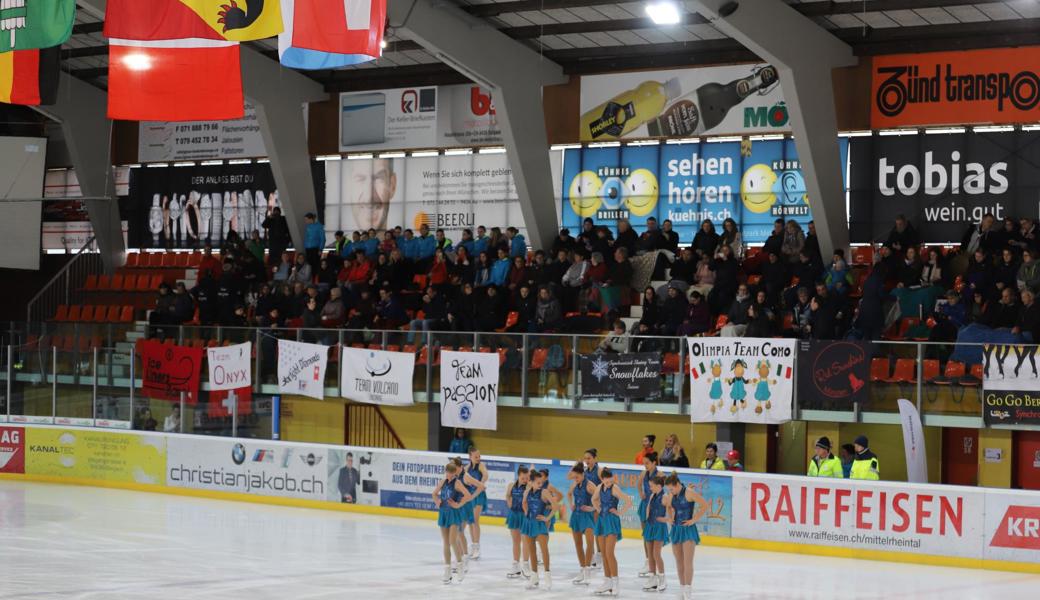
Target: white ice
72 542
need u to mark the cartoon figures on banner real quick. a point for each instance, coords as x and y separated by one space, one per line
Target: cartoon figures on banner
762 393
736 391
715 393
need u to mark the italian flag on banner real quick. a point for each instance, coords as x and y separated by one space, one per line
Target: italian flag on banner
33 24
29 77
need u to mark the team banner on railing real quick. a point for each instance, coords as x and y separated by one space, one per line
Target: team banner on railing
636 375
745 380
170 370
229 367
301 368
376 376
1011 385
469 390
834 374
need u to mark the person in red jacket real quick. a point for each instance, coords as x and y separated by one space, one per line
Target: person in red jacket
360 271
438 274
733 461
648 447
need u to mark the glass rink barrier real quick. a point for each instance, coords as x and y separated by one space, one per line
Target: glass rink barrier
75 376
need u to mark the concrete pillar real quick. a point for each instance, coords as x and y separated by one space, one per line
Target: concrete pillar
804 54
82 111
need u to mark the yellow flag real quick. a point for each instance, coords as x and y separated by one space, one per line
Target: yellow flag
240 20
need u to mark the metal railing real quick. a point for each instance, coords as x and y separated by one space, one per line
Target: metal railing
64 287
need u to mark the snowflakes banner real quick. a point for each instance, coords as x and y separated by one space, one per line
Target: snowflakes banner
741 380
621 375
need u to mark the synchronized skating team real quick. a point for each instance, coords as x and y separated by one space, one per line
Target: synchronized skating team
668 512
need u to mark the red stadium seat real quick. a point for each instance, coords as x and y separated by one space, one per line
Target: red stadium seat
62 314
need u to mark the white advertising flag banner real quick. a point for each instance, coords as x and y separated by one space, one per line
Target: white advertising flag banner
682 103
423 117
913 442
469 390
229 367
251 467
376 376
301 368
741 380
160 141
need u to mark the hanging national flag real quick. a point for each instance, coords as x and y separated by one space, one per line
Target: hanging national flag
328 34
174 80
32 24
29 77
234 20
220 403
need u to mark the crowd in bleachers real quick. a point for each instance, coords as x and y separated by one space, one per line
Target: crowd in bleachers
490 280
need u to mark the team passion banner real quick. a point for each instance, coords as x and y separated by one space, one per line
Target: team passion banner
741 380
1011 385
621 375
376 376
469 390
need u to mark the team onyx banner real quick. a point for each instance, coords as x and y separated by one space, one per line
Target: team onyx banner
998 85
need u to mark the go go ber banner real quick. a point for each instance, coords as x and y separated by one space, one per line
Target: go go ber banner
229 367
1010 383
301 368
469 390
741 380
169 370
376 376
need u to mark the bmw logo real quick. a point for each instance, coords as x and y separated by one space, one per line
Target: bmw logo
238 454
465 413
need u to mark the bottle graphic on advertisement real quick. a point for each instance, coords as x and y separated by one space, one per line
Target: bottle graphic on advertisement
703 109
623 113
155 220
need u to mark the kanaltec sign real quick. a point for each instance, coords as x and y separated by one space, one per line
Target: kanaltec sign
999 85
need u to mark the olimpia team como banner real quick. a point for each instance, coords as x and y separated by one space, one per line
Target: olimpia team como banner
752 182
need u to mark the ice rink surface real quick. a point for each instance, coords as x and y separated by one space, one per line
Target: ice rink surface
75 542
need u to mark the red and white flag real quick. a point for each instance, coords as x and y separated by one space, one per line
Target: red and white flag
327 34
174 80
220 402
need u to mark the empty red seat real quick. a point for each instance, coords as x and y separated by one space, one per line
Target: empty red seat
133 259
113 313
538 358
879 369
62 314
116 282
130 283
194 259
91 282
104 282
181 260
100 314
905 371
87 314
75 312
169 259
126 314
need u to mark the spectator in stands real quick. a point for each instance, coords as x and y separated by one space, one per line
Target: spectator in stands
265 301
462 312
698 317
289 297
671 238
759 319
802 313
774 278
548 313
564 241
711 458
616 341
847 454
497 240
145 421
931 271
1006 273
647 448
500 269
334 313
253 272
794 242
1027 235
277 235
737 315
435 314
684 269
283 268
574 279
482 277
588 233
425 246
812 245
979 276
538 273
1002 314
826 314
209 263
651 239
517 275
517 243
675 308
230 292
163 312
909 273
1028 325
526 307
626 237
183 305
706 241
902 236
556 269
443 243
388 244
775 242
596 274
705 279
1029 271
838 277
438 273
390 313
311 319
460 443
982 236
731 237
172 422
255 246
301 271
1010 234
673 455
492 312
601 243
238 317
482 241
652 313
205 294
313 240
725 269
806 272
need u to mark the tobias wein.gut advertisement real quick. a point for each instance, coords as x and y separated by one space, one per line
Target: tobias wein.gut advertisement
683 103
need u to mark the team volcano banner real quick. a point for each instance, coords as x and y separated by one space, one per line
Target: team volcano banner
833 374
636 375
741 380
943 183
169 370
182 207
377 376
754 183
32 24
994 85
1011 385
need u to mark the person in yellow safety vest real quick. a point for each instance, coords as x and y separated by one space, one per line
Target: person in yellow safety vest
865 464
711 458
825 464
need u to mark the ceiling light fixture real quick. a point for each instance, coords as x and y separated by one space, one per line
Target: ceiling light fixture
663 13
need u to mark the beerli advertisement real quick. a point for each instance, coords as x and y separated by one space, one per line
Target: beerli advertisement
754 183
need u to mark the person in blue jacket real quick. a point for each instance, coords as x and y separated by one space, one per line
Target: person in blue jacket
370 243
517 243
500 270
443 243
350 247
407 245
427 244
313 241
481 243
467 242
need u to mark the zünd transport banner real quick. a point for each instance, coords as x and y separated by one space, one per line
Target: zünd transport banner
469 389
754 183
943 183
301 368
422 117
741 380
377 376
635 375
1010 385
682 103
995 85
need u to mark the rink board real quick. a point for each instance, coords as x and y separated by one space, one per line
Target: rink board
929 524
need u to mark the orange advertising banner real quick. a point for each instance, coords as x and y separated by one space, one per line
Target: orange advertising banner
999 85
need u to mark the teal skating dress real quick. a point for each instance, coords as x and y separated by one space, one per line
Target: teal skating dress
581 521
515 518
608 523
683 512
446 515
654 530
